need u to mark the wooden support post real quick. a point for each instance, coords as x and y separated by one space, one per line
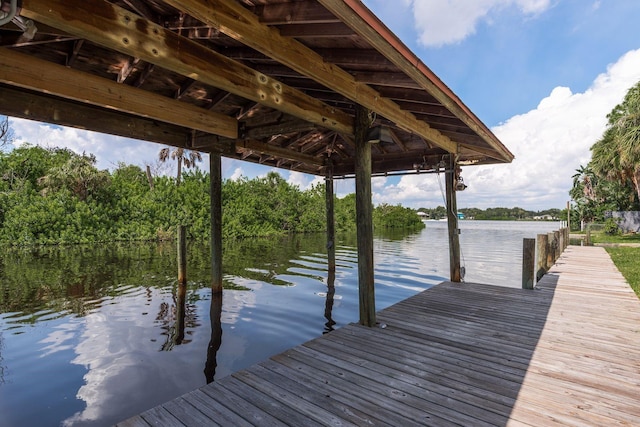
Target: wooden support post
215 191
182 255
452 222
556 250
528 263
364 218
331 229
550 250
569 217
149 178
543 246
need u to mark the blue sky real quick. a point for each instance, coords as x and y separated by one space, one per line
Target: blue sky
541 74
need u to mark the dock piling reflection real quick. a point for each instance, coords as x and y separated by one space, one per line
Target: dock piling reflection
215 313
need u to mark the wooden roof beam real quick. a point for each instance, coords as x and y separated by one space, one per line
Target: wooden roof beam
242 25
17 102
116 28
17 69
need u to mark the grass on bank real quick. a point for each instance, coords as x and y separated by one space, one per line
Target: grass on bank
626 259
608 238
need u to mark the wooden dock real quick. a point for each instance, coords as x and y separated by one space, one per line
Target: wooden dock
567 353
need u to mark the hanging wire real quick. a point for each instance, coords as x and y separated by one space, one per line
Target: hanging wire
463 268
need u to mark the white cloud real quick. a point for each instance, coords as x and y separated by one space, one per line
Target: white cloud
412 190
304 181
553 140
549 143
108 149
237 174
441 22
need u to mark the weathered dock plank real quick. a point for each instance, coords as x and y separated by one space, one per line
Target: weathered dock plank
566 353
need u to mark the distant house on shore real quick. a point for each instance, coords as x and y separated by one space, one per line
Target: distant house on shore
423 215
544 218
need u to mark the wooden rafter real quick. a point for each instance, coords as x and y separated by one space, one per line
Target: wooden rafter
17 69
285 127
242 25
300 12
98 20
385 79
262 148
144 74
316 30
184 88
73 55
127 69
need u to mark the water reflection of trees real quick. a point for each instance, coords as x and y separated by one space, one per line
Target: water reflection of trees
76 280
266 260
395 234
2 366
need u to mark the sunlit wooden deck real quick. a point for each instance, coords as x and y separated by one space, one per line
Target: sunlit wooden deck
456 354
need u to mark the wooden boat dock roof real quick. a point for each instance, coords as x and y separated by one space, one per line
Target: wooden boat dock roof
268 81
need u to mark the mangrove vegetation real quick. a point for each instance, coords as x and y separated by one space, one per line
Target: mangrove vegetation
55 196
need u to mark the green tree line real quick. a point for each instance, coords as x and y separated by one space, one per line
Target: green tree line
53 196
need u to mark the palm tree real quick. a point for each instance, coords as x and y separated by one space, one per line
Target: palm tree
186 157
616 156
584 181
583 193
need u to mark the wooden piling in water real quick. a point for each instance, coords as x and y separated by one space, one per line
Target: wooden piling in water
557 250
215 191
182 255
331 230
528 263
543 246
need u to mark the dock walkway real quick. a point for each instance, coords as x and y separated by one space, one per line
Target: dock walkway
466 354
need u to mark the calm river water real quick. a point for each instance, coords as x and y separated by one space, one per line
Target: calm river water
90 335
